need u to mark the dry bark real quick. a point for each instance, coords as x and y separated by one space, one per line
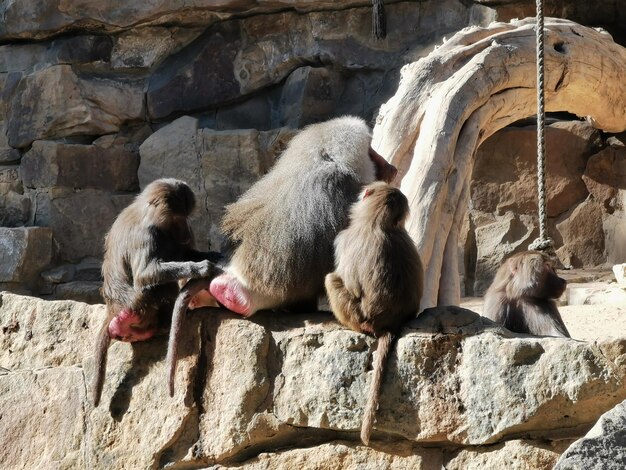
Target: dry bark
476 83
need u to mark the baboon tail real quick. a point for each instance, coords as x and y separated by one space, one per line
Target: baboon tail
102 349
369 415
178 316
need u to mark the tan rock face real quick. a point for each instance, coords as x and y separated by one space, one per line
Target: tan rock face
24 253
289 390
57 102
603 446
514 455
506 169
218 165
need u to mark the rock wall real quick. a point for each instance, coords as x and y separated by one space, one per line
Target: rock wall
585 182
283 391
99 98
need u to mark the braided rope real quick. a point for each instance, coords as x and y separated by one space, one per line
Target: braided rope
543 242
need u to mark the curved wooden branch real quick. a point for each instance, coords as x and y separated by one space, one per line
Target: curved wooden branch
478 82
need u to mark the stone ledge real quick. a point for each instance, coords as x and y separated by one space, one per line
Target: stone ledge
289 382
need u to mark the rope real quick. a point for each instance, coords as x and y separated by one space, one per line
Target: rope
542 243
379 20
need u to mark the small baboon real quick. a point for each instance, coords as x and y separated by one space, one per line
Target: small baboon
149 248
377 284
522 296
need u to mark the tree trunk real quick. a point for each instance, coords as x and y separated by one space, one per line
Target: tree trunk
478 82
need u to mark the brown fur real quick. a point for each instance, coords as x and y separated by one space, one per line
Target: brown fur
377 284
522 296
148 249
281 231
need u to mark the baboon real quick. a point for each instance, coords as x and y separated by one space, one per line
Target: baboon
279 234
148 249
522 296
377 284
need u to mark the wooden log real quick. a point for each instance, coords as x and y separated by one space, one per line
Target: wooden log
476 83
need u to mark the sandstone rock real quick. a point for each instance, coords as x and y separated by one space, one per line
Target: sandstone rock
513 151
24 253
80 291
55 102
39 334
24 57
218 165
137 422
146 47
309 95
620 274
79 219
179 84
604 446
583 236
245 388
88 269
605 175
512 455
594 293
52 164
43 418
14 205
242 57
349 456
7 153
36 19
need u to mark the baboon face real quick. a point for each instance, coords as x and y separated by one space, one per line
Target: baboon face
384 171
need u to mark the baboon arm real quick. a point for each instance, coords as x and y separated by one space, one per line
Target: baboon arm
345 306
159 272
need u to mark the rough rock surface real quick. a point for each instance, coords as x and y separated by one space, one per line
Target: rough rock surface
278 390
218 165
603 447
24 253
84 84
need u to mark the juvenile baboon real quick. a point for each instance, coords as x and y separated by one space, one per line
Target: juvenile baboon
522 296
148 249
377 284
279 234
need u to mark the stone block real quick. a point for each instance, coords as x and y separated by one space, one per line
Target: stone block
79 219
24 253
40 406
52 164
15 206
55 102
604 446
